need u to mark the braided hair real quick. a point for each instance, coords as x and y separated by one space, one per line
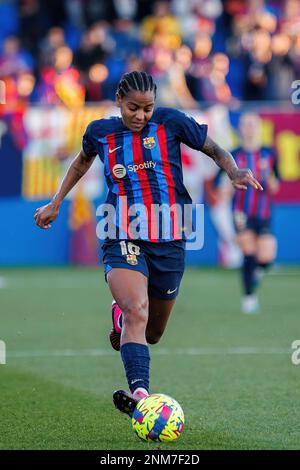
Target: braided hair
136 81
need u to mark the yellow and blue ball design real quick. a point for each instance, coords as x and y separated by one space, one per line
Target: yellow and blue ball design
158 418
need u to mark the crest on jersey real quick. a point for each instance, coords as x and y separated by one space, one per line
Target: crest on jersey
131 259
149 142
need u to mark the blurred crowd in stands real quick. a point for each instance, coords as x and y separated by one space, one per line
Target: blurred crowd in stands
199 51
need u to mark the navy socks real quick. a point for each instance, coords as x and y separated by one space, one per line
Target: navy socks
136 360
248 268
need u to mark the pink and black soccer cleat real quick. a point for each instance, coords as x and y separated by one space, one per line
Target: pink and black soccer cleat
115 333
126 402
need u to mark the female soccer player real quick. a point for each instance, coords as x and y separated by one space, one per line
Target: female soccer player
142 164
252 210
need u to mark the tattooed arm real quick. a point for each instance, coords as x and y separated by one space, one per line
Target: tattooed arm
240 178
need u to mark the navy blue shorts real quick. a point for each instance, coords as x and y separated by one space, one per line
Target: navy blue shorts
259 226
162 263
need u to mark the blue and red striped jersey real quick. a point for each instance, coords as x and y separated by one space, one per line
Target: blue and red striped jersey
145 167
263 164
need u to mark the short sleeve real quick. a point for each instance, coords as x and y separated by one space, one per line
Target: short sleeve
187 129
89 141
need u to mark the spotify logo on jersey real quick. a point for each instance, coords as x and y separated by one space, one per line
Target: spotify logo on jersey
119 170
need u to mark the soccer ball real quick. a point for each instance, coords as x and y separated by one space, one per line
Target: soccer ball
158 418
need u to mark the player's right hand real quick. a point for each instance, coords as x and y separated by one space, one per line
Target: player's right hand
45 215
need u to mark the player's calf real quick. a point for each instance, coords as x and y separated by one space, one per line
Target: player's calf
153 337
135 318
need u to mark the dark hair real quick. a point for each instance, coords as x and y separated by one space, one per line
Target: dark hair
136 81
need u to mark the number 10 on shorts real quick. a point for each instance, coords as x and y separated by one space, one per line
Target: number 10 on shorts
129 248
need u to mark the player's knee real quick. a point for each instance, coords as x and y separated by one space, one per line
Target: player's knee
266 256
266 252
247 243
265 261
135 312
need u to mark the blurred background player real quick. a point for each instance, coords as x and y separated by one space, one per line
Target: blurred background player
143 271
252 209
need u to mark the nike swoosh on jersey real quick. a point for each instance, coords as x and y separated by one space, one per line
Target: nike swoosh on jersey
171 291
113 150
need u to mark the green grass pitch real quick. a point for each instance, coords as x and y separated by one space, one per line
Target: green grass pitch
232 373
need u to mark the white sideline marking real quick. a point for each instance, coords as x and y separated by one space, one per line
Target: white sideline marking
156 352
87 282
284 273
56 283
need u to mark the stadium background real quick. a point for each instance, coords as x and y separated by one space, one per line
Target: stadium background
60 62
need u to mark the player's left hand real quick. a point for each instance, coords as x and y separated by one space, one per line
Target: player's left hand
244 178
